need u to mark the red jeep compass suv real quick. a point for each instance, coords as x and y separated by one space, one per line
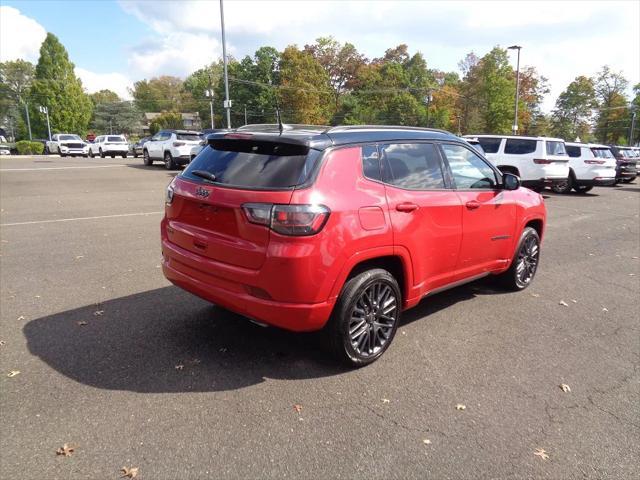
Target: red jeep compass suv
308 228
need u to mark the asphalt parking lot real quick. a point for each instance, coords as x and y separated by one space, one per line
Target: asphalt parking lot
133 372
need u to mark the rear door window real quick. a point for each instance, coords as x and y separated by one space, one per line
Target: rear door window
555 148
254 164
602 153
371 162
490 144
191 137
413 166
519 146
573 152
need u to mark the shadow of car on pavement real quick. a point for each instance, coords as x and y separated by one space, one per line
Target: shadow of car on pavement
167 341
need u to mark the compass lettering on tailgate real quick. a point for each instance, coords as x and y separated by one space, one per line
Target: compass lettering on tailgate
202 192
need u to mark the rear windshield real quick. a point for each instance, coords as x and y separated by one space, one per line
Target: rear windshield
254 164
555 148
573 152
69 137
193 137
602 153
489 144
115 139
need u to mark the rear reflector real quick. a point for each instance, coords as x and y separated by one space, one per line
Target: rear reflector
541 161
294 220
178 144
595 162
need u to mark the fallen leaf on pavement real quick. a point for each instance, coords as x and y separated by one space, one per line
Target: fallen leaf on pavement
81 323
97 313
460 407
78 257
540 452
385 400
65 450
563 303
632 274
605 309
297 408
426 441
129 472
565 388
535 295
21 317
13 373
179 367
574 301
2 343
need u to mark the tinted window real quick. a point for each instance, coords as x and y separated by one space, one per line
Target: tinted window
115 139
194 137
602 153
69 137
573 152
517 146
490 144
468 169
371 162
415 166
555 148
254 164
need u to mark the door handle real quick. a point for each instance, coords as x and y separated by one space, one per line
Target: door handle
472 205
406 207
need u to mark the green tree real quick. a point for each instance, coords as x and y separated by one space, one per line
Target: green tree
198 83
166 120
571 117
613 114
104 96
165 93
340 61
116 117
56 87
305 91
533 88
16 78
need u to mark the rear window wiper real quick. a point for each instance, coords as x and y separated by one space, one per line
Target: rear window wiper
204 174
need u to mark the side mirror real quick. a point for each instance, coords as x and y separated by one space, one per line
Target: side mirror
510 181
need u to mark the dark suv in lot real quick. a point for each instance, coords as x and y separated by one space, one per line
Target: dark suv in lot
626 169
343 228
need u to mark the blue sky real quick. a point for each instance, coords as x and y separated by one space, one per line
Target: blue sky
114 43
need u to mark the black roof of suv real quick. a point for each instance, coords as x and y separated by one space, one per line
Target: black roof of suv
321 137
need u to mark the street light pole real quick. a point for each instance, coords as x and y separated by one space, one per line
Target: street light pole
45 110
633 125
210 94
515 120
26 110
227 102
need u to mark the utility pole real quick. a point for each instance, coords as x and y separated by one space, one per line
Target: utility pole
427 100
227 102
210 94
245 114
515 120
633 125
26 110
45 110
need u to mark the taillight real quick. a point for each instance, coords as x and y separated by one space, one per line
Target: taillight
178 144
541 161
295 220
595 162
168 197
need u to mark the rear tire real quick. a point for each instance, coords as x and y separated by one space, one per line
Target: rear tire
524 264
365 318
146 159
628 180
91 153
169 163
101 153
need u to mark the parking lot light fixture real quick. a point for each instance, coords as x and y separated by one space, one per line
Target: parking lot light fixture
515 120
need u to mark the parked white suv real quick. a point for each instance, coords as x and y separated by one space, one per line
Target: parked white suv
173 147
589 165
66 144
111 145
538 161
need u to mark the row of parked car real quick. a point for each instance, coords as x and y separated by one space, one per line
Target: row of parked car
539 161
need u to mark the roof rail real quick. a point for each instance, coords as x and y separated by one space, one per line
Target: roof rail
268 127
346 128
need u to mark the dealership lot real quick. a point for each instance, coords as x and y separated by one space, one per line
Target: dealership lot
133 372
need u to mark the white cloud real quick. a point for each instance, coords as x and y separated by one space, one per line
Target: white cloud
116 82
20 36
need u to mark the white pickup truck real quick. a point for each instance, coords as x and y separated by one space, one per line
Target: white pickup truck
66 144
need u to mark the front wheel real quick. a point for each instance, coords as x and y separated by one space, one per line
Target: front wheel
91 153
101 154
582 188
365 318
564 186
146 159
525 262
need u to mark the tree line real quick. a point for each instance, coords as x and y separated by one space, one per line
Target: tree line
326 83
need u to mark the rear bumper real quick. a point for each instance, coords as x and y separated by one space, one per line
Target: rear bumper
182 159
543 182
182 270
596 182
